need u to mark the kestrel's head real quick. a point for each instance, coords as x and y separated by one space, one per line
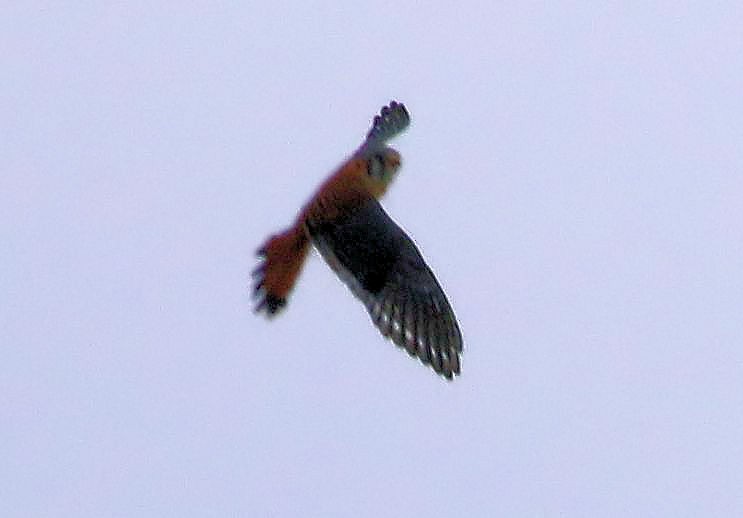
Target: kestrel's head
382 162
382 167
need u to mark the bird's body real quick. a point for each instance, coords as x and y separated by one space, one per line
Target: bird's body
369 252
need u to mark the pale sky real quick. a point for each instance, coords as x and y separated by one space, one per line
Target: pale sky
573 174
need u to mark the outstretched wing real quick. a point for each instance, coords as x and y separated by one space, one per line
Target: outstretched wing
390 122
384 269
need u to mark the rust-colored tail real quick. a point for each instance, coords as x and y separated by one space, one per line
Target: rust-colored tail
283 256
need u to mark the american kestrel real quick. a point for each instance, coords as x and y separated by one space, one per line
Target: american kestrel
369 252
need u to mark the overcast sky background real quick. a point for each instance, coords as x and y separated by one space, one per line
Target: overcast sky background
573 174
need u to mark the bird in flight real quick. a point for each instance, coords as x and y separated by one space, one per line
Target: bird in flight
370 253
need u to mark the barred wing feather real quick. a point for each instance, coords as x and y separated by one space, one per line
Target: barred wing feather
384 269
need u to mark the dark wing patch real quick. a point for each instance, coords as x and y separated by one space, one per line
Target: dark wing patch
384 269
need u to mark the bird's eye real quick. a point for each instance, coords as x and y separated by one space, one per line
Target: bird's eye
376 166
